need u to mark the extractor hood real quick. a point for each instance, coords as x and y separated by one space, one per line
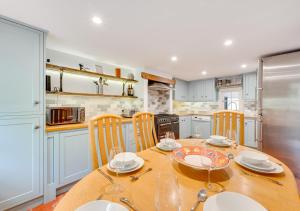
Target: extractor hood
159 86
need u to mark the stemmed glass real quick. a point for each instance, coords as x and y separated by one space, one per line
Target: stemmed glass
167 195
170 135
214 187
231 135
115 189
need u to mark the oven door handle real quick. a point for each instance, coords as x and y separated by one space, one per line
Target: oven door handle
175 122
165 124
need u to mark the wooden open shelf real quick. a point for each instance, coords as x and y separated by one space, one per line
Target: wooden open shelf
88 94
87 73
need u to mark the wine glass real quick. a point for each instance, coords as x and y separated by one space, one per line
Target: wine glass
167 195
170 135
214 187
231 136
114 189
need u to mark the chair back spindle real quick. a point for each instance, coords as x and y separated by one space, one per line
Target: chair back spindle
144 130
225 123
109 135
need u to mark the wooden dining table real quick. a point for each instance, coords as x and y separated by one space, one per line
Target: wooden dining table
272 196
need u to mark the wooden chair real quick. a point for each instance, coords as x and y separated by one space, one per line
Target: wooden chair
109 129
144 130
224 121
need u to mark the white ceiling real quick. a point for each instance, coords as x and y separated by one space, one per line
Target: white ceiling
141 33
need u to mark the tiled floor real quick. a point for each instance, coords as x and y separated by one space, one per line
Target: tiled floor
49 206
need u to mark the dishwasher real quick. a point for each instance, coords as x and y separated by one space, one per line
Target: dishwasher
201 126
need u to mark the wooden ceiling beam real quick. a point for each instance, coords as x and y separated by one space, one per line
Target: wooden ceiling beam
157 78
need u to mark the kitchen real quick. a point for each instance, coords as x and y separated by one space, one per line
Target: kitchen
59 86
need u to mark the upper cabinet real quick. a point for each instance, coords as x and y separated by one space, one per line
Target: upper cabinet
195 91
249 86
181 90
210 90
202 91
21 65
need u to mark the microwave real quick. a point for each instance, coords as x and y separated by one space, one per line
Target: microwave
64 115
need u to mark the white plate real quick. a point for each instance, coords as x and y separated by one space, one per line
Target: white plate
101 205
138 160
277 168
254 157
198 161
218 138
230 201
113 165
165 148
260 167
219 144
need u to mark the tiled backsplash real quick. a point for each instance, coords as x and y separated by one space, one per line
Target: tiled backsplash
158 101
195 107
94 106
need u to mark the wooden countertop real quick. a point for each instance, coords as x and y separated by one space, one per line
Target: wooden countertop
56 128
125 120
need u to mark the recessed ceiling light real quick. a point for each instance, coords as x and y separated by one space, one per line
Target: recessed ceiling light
174 59
97 20
204 72
228 42
243 65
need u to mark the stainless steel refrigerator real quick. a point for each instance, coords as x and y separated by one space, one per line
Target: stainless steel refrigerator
279 108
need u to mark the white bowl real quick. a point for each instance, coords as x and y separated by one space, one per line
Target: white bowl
125 159
253 157
231 201
218 139
101 205
170 143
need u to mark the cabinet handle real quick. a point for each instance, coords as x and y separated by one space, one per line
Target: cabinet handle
36 102
37 127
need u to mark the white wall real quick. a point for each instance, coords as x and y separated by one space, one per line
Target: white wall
74 83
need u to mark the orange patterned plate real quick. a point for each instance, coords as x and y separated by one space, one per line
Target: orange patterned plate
200 158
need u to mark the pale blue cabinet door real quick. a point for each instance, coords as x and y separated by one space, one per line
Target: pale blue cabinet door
192 91
21 67
51 166
250 133
184 127
249 86
198 90
181 89
210 90
202 129
188 126
201 91
129 137
74 156
21 160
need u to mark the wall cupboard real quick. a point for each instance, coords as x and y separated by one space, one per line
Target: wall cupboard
195 91
249 86
205 90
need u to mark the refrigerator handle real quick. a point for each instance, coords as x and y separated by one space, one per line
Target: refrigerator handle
259 91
